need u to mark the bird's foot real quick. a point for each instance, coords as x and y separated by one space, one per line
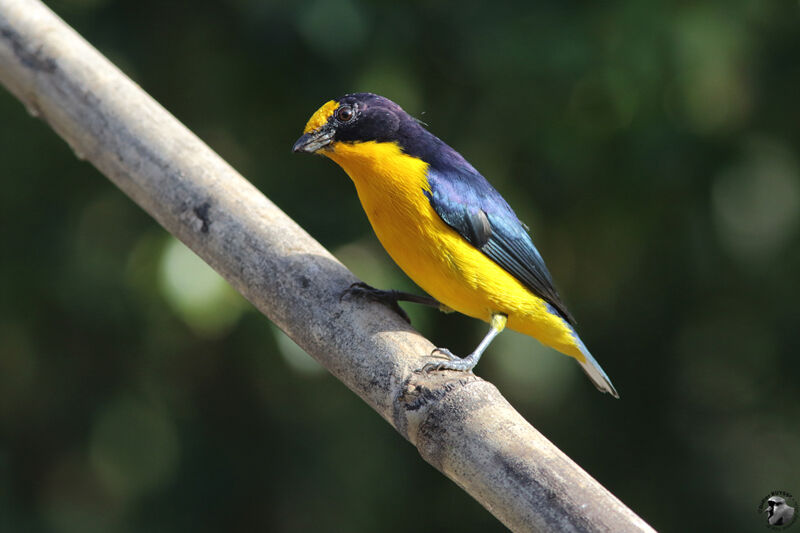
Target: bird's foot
455 362
387 298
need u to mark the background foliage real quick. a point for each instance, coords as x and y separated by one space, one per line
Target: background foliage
651 146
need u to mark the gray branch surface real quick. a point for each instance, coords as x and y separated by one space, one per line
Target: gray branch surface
460 423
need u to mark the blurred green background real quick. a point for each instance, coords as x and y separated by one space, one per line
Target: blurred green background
651 146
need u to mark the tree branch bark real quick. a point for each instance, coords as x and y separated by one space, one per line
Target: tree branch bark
460 423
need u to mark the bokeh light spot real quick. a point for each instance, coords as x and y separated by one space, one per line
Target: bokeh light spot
756 203
200 296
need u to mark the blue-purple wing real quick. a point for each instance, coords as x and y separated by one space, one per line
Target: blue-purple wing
471 206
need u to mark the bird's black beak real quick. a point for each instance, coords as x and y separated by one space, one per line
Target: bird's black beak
314 141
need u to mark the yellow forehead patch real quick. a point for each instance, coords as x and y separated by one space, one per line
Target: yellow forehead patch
322 115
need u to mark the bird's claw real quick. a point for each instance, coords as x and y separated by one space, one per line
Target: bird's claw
359 288
387 298
454 362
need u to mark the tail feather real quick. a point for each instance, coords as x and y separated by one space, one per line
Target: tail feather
592 369
598 377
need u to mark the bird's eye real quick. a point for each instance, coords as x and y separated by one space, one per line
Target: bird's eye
344 114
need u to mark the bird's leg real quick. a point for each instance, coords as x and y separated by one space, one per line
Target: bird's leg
466 364
391 297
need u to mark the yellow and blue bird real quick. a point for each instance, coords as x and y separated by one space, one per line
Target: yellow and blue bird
445 226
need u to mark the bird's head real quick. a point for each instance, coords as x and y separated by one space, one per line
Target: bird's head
353 118
775 501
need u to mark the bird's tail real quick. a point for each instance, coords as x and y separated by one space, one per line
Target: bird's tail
592 369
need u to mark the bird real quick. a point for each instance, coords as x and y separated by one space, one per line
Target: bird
446 227
779 513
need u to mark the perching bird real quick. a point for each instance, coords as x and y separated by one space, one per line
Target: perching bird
445 226
778 512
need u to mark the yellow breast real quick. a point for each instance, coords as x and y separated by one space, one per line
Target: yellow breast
391 186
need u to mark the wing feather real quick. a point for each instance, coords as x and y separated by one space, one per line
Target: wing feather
470 205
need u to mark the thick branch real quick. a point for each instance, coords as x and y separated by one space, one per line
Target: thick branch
459 423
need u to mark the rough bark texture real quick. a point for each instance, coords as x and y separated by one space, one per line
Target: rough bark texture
460 423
